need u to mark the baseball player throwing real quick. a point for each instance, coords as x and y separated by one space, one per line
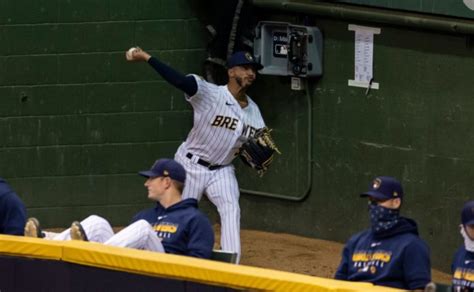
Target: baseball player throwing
224 119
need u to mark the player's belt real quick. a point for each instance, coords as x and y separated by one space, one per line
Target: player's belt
205 163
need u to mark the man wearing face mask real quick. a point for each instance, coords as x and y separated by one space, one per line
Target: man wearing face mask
390 253
463 262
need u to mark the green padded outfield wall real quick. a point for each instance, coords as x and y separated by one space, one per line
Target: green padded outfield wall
418 127
77 121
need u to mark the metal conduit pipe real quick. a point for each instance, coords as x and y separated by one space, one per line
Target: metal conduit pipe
385 16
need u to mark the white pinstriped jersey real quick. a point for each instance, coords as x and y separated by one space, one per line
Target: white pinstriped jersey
220 125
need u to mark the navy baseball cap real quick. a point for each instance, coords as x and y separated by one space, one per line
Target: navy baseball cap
243 58
467 215
166 167
384 188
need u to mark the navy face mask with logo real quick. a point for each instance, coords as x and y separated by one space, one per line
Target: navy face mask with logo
381 218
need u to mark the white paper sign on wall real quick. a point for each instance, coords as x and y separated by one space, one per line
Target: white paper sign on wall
469 4
364 56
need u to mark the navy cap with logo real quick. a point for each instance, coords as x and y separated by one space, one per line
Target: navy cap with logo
467 215
166 167
243 58
384 188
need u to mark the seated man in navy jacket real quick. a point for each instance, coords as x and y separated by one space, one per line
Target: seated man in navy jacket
173 225
463 262
12 211
390 253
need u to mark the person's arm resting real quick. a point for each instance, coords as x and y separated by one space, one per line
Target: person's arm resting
417 265
343 269
185 83
14 215
201 238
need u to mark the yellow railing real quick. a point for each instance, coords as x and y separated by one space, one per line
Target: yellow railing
173 266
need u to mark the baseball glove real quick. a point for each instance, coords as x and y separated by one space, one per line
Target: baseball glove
258 151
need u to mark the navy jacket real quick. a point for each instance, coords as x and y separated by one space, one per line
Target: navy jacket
396 258
463 269
183 229
12 211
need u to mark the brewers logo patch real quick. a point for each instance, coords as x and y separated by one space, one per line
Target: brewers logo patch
165 229
371 261
376 183
464 277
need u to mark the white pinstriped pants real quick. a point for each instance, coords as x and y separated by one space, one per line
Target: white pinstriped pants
222 189
139 234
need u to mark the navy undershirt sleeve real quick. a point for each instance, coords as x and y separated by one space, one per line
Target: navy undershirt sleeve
185 83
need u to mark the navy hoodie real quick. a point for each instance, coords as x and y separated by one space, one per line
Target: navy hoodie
395 258
12 211
183 229
463 270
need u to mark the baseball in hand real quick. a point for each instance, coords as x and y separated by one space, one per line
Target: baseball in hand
129 53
